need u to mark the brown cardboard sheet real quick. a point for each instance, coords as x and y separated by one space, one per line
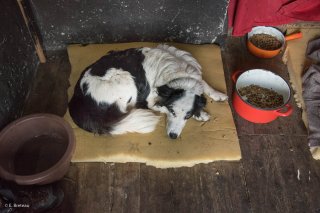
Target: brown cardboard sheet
200 142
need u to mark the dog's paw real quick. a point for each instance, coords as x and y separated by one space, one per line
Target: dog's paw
218 96
159 108
204 116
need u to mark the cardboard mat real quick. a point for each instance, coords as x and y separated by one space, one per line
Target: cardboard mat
295 57
200 142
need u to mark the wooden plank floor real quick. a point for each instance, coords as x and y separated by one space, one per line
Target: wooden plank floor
276 173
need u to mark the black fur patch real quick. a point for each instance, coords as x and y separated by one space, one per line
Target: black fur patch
84 88
198 105
90 116
99 118
169 95
128 60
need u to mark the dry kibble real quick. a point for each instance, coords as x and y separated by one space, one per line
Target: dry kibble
265 41
261 97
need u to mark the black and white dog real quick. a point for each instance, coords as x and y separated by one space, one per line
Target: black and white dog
115 94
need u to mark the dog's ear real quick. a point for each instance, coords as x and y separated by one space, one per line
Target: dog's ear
200 101
165 91
168 95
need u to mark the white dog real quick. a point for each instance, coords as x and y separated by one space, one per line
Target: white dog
115 94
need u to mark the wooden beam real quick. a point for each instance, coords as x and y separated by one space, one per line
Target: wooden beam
33 35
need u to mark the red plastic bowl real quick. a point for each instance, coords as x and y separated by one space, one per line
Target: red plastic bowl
266 79
36 149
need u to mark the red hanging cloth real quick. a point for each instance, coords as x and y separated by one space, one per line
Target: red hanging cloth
245 14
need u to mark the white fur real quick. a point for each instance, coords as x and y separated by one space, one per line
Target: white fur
163 65
204 116
190 84
167 65
110 88
139 120
214 94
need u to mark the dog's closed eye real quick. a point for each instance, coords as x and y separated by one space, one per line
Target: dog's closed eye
172 111
188 115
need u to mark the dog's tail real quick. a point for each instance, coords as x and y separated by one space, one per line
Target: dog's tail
138 120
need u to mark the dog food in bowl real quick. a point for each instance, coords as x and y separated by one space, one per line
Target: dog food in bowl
265 41
261 97
264 79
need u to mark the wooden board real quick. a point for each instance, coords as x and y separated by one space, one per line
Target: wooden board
265 180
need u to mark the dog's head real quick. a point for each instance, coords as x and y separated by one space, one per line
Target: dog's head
181 99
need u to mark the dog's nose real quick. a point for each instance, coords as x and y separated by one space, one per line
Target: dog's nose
173 135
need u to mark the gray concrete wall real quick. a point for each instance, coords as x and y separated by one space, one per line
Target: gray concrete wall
63 22
18 62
